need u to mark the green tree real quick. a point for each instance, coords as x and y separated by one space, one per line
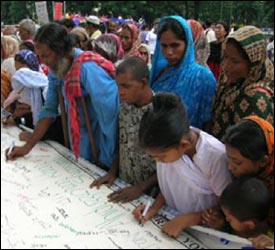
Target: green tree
259 13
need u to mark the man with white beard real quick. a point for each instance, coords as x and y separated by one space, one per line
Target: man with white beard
76 75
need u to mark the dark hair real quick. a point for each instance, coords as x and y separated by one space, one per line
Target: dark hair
225 25
55 37
20 59
69 23
248 138
75 40
135 66
28 45
165 124
208 23
247 198
174 26
240 49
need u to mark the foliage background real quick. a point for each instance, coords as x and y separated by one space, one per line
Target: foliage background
259 13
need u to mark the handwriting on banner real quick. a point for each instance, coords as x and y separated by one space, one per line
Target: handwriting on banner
47 203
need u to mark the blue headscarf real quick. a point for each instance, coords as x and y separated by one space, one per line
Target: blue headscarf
195 84
29 58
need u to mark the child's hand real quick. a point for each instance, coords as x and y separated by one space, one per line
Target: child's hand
17 152
108 178
138 213
173 228
262 242
213 218
8 121
125 195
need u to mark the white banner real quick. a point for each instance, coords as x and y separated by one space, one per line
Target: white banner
42 12
46 203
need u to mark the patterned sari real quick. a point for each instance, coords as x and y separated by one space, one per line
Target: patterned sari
251 96
136 40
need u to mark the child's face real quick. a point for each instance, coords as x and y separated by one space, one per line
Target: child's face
166 155
238 226
239 165
130 91
18 65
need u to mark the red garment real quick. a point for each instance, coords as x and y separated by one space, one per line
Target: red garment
216 69
45 69
73 90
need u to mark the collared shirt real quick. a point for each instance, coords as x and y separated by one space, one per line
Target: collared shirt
193 185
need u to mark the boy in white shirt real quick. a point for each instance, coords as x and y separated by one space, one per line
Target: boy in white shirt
191 164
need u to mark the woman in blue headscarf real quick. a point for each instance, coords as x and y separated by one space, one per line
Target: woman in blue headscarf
174 70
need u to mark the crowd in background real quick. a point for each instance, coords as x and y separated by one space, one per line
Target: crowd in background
181 106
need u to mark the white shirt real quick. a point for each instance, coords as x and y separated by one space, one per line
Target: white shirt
8 66
29 84
210 35
151 38
192 186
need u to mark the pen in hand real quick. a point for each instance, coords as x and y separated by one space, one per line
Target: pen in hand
145 211
11 148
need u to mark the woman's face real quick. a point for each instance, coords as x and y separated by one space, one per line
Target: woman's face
220 32
144 54
126 39
172 48
234 65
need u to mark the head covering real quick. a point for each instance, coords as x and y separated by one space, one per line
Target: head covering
93 19
202 47
29 58
146 46
9 47
136 39
196 28
253 42
109 46
268 174
235 101
81 33
268 130
195 85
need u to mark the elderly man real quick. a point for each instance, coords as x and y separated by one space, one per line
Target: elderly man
85 81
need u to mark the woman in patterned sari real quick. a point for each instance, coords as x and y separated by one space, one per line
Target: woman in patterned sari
202 47
246 86
131 40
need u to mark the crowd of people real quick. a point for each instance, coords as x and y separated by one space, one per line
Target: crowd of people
184 107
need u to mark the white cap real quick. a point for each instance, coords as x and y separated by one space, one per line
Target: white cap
93 19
